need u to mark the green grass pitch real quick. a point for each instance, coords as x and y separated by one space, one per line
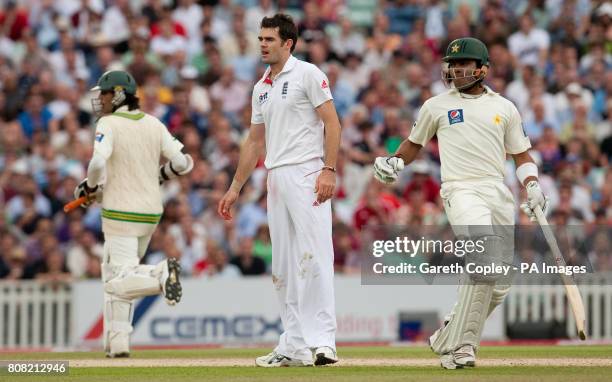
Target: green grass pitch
582 358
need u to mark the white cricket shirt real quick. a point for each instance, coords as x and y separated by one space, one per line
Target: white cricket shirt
474 135
294 131
132 142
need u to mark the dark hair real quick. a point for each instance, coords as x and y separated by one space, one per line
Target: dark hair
286 27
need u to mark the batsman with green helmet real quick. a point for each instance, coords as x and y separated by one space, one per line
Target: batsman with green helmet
124 176
476 128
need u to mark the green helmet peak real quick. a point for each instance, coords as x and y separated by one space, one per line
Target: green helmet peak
116 80
467 48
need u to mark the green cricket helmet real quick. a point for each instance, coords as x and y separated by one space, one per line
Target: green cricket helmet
116 80
467 48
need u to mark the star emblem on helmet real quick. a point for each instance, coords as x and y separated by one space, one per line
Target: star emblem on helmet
455 48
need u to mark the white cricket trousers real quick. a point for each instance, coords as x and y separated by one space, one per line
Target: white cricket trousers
474 207
302 259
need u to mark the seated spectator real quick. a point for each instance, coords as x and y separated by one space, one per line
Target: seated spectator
12 264
262 246
246 261
422 180
217 265
53 269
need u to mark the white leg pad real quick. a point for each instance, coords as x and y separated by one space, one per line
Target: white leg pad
466 320
134 282
117 324
498 296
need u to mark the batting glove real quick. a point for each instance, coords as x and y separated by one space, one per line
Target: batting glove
92 194
535 197
387 168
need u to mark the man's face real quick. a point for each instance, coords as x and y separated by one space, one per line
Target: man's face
271 45
462 72
106 99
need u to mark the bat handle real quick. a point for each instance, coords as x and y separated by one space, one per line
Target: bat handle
74 204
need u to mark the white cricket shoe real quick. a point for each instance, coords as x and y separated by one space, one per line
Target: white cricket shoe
447 361
119 345
465 356
275 359
171 285
325 355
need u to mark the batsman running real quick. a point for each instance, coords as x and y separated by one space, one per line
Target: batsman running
124 175
476 129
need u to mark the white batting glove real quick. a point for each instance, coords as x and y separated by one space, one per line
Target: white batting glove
387 168
535 197
93 194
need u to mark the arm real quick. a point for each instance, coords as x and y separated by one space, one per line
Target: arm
326 181
327 113
523 158
96 167
407 151
250 153
527 173
387 168
179 164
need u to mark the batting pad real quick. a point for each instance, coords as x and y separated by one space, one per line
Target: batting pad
467 318
135 282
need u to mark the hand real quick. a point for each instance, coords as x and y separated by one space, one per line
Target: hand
226 203
92 194
325 185
535 197
387 168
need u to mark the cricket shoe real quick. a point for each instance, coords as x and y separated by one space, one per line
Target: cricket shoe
119 345
171 285
325 355
275 359
447 361
465 356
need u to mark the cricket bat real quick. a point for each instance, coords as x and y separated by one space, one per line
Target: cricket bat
571 289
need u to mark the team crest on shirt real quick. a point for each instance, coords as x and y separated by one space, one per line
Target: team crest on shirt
99 137
455 116
285 89
263 97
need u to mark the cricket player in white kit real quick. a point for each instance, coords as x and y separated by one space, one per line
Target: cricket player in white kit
476 128
295 122
124 175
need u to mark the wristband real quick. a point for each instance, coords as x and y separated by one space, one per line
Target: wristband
526 170
330 168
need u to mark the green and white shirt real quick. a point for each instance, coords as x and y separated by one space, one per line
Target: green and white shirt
132 142
474 134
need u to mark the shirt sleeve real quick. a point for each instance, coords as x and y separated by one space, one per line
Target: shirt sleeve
317 88
170 146
256 115
515 139
424 127
103 143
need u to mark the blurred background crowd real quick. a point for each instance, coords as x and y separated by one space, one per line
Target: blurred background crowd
196 62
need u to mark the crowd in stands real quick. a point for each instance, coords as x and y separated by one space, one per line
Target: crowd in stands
196 63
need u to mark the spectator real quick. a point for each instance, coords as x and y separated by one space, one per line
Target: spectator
246 261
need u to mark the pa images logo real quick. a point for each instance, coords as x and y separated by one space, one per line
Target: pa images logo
455 116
